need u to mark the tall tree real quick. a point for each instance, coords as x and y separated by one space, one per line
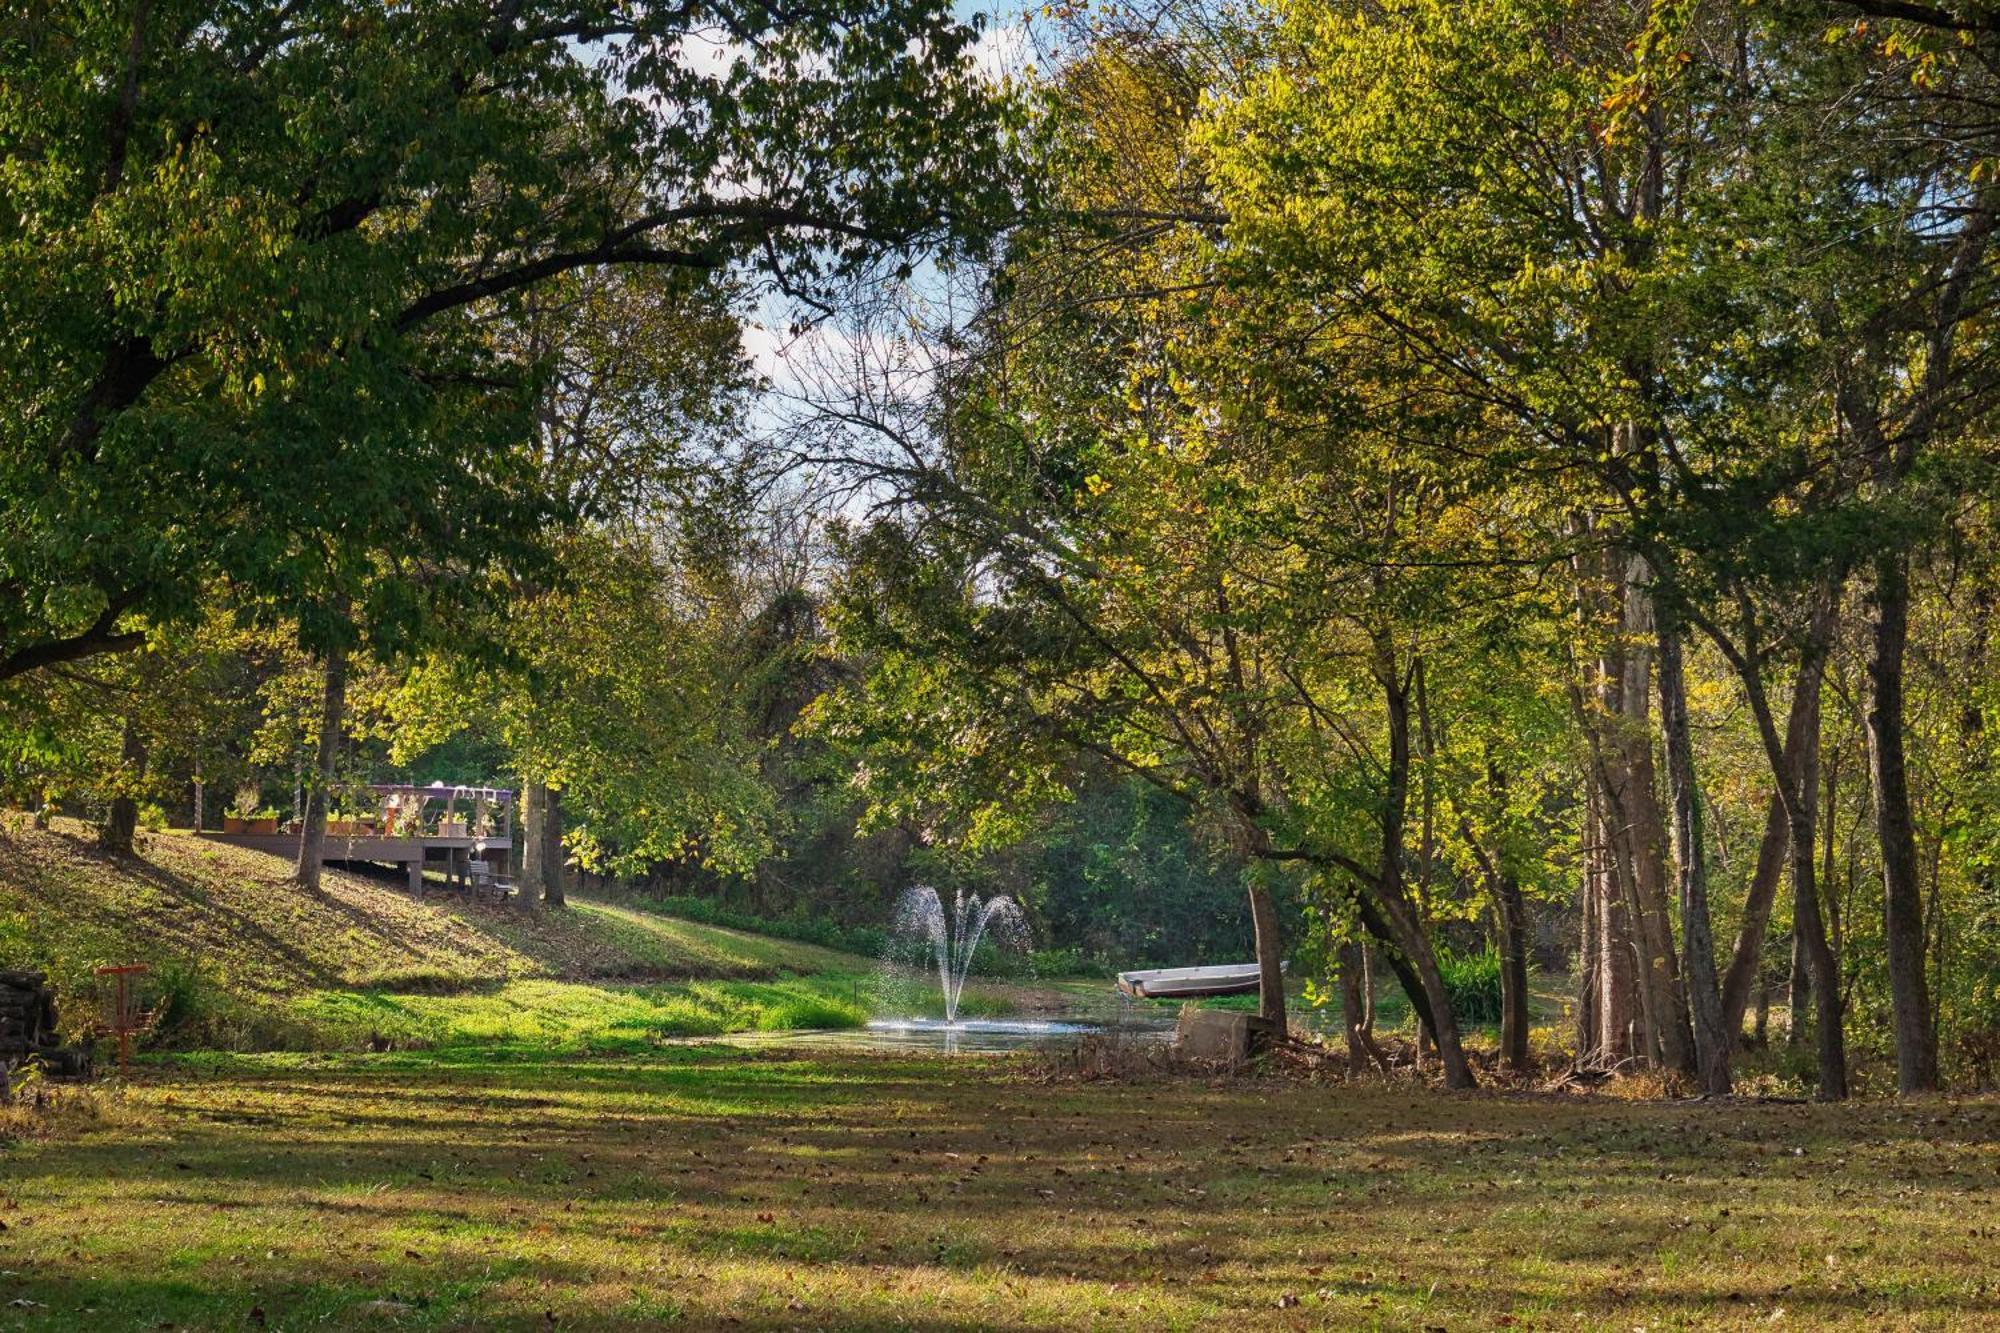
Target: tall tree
252 253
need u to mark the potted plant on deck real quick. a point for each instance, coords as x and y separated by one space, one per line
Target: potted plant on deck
245 815
403 816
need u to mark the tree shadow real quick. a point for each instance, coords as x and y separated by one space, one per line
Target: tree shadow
1230 1197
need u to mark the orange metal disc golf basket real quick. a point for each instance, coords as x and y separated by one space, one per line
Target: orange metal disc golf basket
123 1013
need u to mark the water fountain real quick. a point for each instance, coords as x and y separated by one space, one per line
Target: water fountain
931 943
954 937
950 939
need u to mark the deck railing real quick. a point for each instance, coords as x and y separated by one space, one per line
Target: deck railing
437 811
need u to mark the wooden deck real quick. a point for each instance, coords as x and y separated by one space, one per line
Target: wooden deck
413 854
453 853
409 829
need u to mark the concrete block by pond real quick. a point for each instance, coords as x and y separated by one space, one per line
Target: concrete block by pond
1222 1036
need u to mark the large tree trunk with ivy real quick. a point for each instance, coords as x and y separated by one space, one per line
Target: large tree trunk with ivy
121 822
1895 829
319 790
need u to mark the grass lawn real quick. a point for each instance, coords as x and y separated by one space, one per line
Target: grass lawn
243 959
780 1189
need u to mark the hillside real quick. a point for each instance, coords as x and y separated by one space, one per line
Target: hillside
242 958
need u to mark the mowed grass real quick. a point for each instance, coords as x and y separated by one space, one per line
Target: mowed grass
244 959
713 1187
570 1017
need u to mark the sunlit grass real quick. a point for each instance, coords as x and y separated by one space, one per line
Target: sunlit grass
573 1016
476 1188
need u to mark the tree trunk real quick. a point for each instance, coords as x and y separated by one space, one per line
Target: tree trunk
1824 970
555 862
1745 972
1510 918
1902 896
1368 998
1801 731
1794 763
1376 921
1270 954
1356 1014
1712 1044
1444 1029
1398 912
1802 802
1798 990
1638 800
1622 1000
1637 927
1635 1004
1513 921
529 877
121 822
1589 912
312 822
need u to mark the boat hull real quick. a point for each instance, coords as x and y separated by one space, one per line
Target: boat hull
1189 983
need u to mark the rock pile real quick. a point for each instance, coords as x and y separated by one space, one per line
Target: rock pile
28 1026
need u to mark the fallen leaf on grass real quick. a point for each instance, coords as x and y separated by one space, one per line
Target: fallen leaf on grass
385 1309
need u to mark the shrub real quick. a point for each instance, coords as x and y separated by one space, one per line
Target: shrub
809 1011
1472 980
1064 963
183 999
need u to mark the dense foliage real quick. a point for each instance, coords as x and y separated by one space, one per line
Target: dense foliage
1406 491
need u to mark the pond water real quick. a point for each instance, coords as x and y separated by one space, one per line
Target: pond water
967 1036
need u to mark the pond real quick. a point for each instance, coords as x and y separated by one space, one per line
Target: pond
967 1036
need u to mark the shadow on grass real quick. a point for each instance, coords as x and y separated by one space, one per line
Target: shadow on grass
1216 1200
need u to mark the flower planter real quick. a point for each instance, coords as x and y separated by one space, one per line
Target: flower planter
238 824
451 828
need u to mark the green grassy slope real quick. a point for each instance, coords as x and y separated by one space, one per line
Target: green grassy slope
242 958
